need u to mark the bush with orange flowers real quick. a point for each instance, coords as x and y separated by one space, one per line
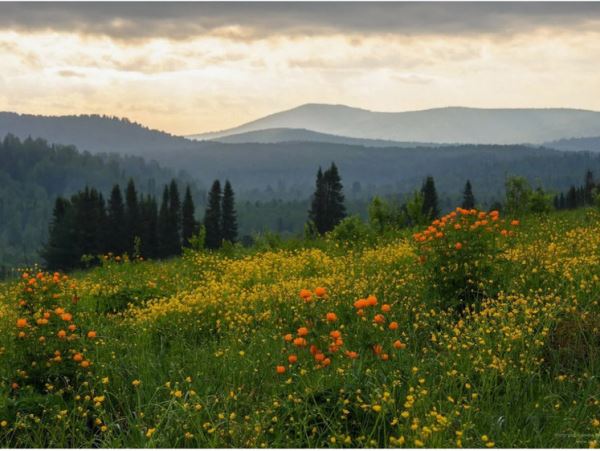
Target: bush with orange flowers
460 252
48 346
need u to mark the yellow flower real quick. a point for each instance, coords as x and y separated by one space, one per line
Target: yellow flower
136 382
150 432
377 408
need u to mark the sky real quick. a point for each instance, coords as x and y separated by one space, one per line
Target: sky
196 67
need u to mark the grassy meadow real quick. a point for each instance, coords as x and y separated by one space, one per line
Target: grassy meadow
477 331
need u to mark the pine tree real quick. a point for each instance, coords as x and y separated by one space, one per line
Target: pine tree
188 221
163 225
174 219
115 228
149 227
132 216
571 200
59 253
430 199
589 188
335 209
212 217
228 215
316 213
468 198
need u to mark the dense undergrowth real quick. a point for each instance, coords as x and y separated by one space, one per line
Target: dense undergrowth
475 332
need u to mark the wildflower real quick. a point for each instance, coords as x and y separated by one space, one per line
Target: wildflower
150 432
302 331
66 317
136 383
305 294
335 334
78 357
399 345
320 291
178 393
393 325
61 334
299 342
292 358
458 246
379 319
351 354
514 222
85 364
288 337
372 301
91 334
72 327
331 317
386 308
280 369
376 408
21 323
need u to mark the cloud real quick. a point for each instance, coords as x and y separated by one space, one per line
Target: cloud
254 20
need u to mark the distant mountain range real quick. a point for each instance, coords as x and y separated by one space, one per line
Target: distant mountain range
576 144
440 125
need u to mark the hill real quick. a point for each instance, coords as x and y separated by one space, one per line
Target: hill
279 135
440 125
576 144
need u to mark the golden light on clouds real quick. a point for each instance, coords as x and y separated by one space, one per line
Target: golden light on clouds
219 79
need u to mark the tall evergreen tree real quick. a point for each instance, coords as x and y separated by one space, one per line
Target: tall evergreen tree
188 221
132 216
228 215
589 188
571 200
335 208
316 213
59 253
115 228
430 198
149 227
468 198
212 218
174 219
163 226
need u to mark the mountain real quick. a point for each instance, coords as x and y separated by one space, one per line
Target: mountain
97 134
279 135
573 144
439 125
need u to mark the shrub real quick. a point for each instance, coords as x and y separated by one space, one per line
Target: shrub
459 252
350 231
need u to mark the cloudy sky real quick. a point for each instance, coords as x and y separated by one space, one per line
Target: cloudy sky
192 67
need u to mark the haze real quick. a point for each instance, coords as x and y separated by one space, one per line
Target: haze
192 68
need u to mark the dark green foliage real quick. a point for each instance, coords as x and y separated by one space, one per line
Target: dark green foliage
163 225
174 230
229 227
115 229
430 199
132 216
327 204
212 217
59 252
468 198
577 197
189 226
149 227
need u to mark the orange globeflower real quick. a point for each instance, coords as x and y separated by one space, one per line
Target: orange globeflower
379 319
305 294
514 222
326 362
302 331
292 358
59 310
399 345
351 354
85 363
458 246
320 291
61 334
319 357
385 308
299 342
288 337
393 325
335 334
72 327
372 300
377 349
78 357
66 317
331 317
361 303
384 357
91 334
21 323
280 369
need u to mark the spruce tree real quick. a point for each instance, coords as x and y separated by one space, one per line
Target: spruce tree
468 198
174 219
430 199
589 188
163 225
316 213
188 221
115 228
132 216
59 253
149 224
335 209
212 217
228 215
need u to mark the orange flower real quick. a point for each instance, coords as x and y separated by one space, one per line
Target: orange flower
361 303
385 308
299 342
335 334
379 319
399 345
302 331
280 369
288 337
72 327
21 323
514 222
351 354
292 358
372 301
331 317
61 334
320 291
393 325
377 349
314 350
78 357
305 294
59 310
21 334
91 334
319 357
326 362
66 317
85 364
384 357
458 246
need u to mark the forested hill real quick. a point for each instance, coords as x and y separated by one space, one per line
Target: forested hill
33 173
93 132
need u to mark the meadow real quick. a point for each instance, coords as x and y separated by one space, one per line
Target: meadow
477 331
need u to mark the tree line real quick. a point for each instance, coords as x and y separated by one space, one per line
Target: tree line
578 196
85 227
